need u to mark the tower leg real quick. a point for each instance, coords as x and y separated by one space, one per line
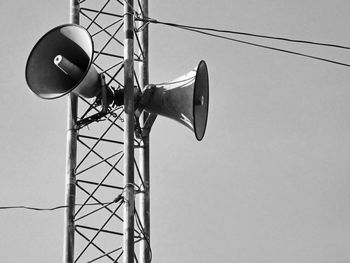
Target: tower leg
144 157
129 195
71 158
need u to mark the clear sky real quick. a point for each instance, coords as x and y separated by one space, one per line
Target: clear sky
270 181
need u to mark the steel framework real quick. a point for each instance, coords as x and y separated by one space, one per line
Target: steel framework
95 233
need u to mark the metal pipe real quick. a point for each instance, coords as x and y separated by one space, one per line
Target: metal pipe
144 157
129 195
71 158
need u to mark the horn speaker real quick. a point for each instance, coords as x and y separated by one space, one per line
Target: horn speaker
185 99
60 63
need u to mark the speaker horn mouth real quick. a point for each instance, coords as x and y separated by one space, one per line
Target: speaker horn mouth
74 44
201 100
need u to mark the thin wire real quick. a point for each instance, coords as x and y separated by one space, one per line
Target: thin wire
154 21
257 45
142 230
133 9
57 207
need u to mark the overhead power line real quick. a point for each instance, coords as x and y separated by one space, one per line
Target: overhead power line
154 21
116 200
202 30
272 48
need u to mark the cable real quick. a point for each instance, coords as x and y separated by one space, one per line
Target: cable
273 48
132 7
154 21
254 44
142 230
117 199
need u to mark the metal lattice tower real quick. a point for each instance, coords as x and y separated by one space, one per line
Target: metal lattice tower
107 193
99 186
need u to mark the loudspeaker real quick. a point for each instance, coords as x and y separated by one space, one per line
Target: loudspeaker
60 63
185 99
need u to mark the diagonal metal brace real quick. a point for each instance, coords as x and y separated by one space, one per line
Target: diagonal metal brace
104 99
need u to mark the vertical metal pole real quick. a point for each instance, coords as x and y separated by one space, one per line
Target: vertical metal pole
71 157
128 225
145 253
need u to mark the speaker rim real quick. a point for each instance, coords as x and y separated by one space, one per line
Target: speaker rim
202 62
84 74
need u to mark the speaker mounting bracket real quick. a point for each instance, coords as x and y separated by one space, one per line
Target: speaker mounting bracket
151 117
144 131
104 99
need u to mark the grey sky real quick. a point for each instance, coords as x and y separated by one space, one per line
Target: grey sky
270 181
